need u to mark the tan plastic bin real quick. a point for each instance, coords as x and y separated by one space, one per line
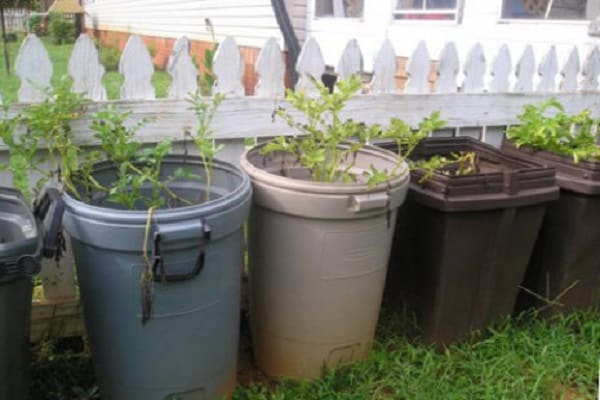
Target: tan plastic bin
318 255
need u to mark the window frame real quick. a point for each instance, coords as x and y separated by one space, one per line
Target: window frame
502 19
456 11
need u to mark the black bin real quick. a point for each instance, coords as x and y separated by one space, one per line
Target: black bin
564 272
462 243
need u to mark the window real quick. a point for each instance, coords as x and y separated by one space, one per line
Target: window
339 8
427 9
551 9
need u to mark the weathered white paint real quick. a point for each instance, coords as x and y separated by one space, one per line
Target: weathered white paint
475 114
228 66
474 70
384 70
86 70
447 70
547 71
271 70
590 71
250 21
310 64
34 68
184 74
418 71
570 72
137 69
524 71
481 23
500 72
351 61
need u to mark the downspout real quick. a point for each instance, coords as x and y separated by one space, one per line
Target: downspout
289 36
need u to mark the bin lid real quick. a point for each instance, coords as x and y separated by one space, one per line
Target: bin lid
502 180
580 177
19 235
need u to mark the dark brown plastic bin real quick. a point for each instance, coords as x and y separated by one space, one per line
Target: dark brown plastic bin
462 243
565 266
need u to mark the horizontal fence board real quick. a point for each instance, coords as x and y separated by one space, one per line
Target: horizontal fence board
249 117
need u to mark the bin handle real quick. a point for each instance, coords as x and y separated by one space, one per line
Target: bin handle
49 210
367 202
173 233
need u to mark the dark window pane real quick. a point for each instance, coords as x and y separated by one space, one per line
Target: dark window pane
409 5
540 9
441 4
350 8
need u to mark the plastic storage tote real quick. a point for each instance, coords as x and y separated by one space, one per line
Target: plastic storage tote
21 247
565 266
187 350
463 242
318 255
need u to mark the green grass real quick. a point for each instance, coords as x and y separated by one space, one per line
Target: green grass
520 358
60 54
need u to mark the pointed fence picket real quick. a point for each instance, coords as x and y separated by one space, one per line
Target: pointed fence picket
481 103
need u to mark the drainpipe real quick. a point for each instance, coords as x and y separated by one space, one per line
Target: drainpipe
289 36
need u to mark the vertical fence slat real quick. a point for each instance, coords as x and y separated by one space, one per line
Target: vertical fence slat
137 69
34 68
86 70
184 74
474 70
310 64
447 70
570 72
547 71
384 70
590 71
500 71
228 66
351 61
418 71
524 71
271 71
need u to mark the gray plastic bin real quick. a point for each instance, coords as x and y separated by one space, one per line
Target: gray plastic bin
187 350
22 237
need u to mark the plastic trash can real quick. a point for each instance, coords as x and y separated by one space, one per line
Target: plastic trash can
187 350
462 243
565 266
22 238
318 255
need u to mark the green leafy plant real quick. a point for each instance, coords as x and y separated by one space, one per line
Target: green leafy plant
456 164
205 112
207 78
548 127
328 144
45 124
61 29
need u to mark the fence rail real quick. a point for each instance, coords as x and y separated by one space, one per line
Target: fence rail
476 97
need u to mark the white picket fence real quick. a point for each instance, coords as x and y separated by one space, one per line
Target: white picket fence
476 97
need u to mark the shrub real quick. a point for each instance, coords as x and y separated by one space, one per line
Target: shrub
61 29
110 57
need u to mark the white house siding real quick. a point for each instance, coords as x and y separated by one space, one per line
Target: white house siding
297 9
251 22
480 23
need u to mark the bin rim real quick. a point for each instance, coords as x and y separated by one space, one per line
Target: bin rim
236 196
527 184
325 188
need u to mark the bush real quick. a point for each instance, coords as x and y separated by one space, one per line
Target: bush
36 24
62 29
110 57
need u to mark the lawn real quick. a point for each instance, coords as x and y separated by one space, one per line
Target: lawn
60 54
519 358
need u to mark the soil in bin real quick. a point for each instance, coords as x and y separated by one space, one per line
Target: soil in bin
462 243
